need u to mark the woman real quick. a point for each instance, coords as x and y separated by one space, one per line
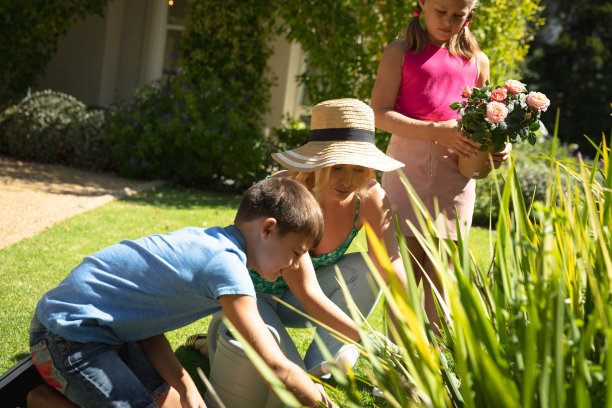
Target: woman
337 165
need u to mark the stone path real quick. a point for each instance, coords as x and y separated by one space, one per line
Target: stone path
35 196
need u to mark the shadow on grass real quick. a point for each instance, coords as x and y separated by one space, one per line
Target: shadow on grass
18 357
184 198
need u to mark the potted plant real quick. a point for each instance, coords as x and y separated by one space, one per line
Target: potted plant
492 117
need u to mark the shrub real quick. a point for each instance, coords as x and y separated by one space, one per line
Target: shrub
54 127
193 133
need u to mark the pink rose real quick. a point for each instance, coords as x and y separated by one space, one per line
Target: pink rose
514 86
538 100
499 94
496 112
467 91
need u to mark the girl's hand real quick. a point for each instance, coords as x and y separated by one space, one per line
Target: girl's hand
449 136
501 157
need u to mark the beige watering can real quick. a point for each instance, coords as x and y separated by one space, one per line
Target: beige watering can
232 375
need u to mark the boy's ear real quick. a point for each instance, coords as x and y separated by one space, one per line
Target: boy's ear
267 227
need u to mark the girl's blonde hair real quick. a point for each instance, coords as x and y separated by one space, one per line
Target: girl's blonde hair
463 44
316 180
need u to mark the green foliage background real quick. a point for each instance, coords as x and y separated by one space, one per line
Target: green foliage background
570 61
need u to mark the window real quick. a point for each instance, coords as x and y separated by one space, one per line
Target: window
175 25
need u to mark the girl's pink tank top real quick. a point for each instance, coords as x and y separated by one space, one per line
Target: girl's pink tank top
431 81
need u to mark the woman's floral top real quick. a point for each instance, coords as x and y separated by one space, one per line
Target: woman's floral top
279 286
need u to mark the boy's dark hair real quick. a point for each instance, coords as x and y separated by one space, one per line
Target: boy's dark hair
290 203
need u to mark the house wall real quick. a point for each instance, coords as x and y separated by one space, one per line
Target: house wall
123 50
77 66
100 55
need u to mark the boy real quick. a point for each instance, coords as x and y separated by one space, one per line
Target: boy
98 337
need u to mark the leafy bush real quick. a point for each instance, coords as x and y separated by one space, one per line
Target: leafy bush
193 133
54 127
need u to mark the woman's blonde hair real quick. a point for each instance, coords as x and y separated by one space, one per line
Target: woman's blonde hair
463 44
316 180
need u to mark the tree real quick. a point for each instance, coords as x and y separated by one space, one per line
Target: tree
29 31
570 62
504 29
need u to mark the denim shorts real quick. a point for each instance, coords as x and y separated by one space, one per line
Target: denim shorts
95 374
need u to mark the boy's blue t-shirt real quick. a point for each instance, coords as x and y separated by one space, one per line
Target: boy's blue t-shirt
141 288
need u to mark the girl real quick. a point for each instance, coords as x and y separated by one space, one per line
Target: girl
419 76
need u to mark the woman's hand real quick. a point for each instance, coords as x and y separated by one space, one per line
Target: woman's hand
449 136
325 398
192 399
501 157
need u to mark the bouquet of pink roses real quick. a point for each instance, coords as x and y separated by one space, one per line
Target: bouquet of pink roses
507 113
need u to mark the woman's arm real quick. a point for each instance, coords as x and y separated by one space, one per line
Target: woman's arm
242 312
384 95
376 211
162 357
304 285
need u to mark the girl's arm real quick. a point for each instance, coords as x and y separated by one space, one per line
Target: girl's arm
384 95
162 357
483 69
304 285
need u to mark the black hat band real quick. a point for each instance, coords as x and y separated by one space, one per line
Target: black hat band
342 135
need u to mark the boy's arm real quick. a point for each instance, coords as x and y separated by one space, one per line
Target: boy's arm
162 357
242 312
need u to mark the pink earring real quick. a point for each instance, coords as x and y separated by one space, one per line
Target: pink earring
467 23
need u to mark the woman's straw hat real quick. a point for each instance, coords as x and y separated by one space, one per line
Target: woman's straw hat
341 132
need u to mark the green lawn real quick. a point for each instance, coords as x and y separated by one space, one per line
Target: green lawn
31 267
